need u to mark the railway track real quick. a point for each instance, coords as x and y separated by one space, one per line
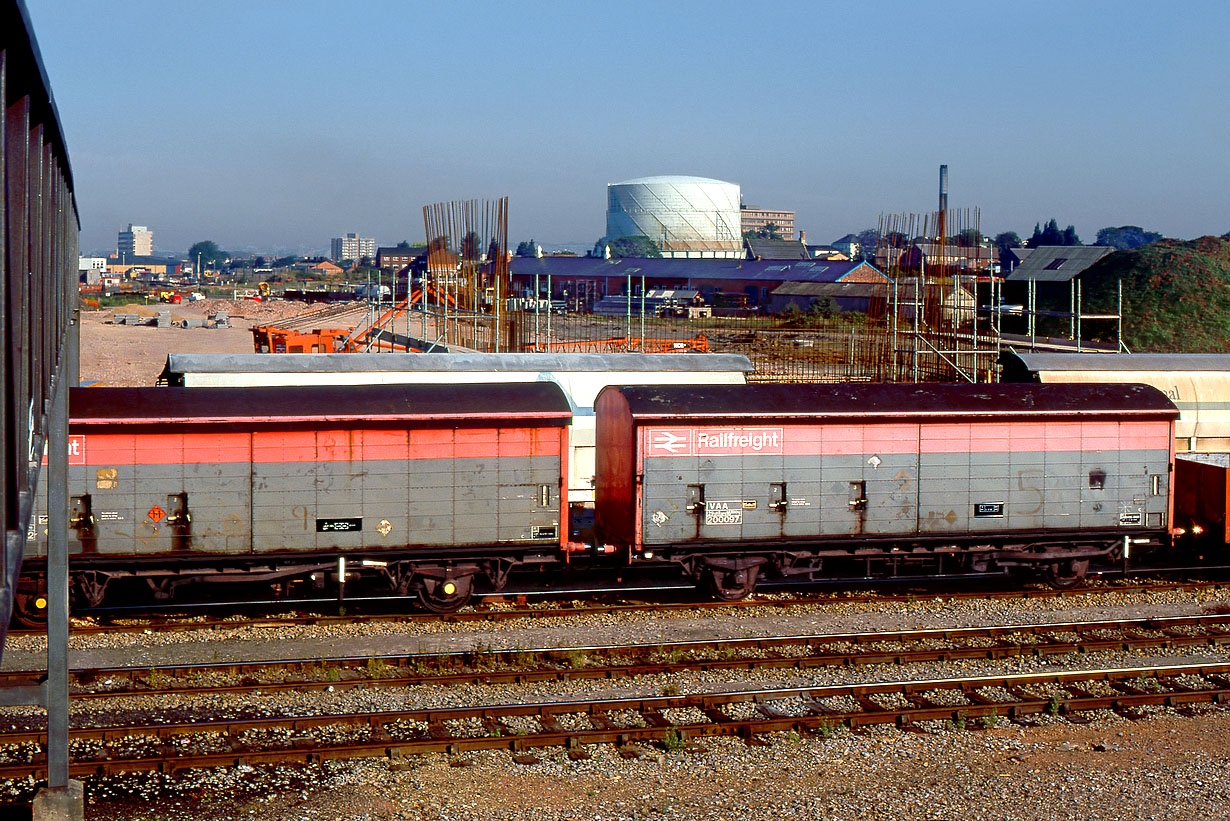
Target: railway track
485 667
671 721
500 611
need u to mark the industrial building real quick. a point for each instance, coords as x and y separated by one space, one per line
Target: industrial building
688 217
135 241
352 247
759 219
91 269
753 279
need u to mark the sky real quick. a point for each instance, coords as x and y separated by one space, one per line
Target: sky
272 126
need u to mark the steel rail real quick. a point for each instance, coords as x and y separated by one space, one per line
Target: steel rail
656 658
1134 687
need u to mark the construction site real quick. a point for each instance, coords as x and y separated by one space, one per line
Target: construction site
930 307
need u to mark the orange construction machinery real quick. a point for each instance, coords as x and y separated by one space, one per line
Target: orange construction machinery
373 336
378 335
268 339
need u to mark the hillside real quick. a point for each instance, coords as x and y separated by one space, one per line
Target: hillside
1176 295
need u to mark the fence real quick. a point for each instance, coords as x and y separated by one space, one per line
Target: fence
790 347
38 292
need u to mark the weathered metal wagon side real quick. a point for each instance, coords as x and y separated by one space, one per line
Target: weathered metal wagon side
826 481
414 488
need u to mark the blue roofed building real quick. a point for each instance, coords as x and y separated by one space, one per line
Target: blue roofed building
753 279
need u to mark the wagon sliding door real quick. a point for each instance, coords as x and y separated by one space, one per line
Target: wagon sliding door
869 479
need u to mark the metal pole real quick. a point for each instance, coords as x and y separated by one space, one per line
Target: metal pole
956 317
1033 313
1119 319
1072 309
917 308
498 314
1077 311
550 294
997 304
56 688
896 371
642 313
628 314
341 580
996 331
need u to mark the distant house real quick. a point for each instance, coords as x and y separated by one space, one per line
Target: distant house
443 264
828 252
864 297
396 259
1055 263
848 245
775 249
872 298
1051 269
326 268
922 255
1012 258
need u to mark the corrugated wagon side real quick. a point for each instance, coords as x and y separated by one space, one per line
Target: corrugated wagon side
400 488
836 480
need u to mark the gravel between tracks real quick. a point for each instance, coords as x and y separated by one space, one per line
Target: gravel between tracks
1166 766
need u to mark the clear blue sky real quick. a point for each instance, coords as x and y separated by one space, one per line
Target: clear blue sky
276 125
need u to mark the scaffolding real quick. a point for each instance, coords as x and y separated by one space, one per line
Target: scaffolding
938 266
467 265
1076 318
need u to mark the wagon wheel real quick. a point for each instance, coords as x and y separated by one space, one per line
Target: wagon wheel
731 585
444 595
1065 574
30 609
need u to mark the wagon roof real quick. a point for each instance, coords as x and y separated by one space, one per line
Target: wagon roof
1033 363
304 363
893 400
356 403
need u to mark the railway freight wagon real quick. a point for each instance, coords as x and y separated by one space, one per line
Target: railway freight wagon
400 489
580 376
820 481
1197 383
